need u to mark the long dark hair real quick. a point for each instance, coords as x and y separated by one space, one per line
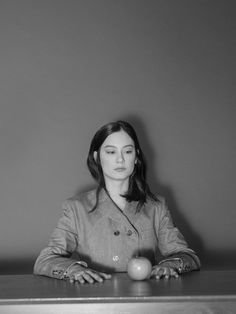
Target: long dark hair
138 189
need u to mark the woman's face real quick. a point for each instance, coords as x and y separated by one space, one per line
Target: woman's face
117 156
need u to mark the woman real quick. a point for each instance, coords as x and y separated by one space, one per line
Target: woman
101 230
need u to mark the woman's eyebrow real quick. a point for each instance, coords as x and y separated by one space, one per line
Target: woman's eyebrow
107 146
129 145
113 146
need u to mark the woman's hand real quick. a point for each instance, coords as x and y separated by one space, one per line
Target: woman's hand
161 271
82 275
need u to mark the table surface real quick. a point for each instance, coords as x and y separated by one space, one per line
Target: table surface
199 285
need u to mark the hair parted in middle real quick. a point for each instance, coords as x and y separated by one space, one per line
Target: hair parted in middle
138 189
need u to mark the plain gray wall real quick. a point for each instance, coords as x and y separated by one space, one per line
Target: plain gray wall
67 67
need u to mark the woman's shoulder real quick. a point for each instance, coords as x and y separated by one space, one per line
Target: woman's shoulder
156 200
85 199
156 203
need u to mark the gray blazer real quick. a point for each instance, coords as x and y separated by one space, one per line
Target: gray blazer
106 238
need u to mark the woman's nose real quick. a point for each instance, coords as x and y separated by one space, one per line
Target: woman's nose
120 157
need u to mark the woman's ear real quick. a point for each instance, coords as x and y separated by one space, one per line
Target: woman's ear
136 159
95 155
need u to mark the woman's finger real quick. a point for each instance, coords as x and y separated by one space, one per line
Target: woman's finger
87 277
174 273
96 276
105 276
77 278
166 272
80 279
159 272
154 271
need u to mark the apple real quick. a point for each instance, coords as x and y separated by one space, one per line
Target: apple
139 268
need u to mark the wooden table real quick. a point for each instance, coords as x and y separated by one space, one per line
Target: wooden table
196 292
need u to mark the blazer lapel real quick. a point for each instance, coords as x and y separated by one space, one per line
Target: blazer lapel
109 209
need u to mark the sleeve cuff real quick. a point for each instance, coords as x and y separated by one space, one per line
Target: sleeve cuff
183 262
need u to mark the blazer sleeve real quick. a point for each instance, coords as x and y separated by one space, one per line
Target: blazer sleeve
173 245
55 259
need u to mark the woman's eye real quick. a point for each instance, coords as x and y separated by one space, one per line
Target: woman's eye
129 152
110 152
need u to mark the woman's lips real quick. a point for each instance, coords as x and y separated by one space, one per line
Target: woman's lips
120 169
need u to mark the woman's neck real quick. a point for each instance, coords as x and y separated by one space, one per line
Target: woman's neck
117 188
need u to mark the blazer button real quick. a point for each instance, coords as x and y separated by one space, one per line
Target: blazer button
116 258
117 232
129 232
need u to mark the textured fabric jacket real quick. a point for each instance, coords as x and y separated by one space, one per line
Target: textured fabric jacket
107 237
